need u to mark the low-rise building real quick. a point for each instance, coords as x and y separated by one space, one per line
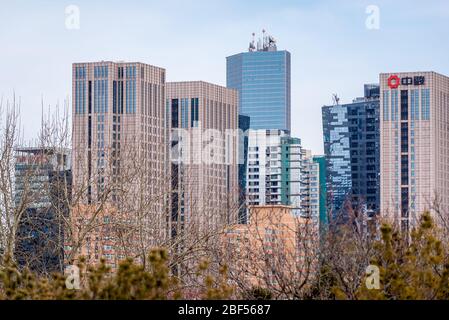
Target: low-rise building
275 250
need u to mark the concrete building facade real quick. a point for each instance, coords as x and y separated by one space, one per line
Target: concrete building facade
310 187
204 154
414 145
274 169
120 146
276 247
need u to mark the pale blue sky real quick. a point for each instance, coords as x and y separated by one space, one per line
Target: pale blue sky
332 50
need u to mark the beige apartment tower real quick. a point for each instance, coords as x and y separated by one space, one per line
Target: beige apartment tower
120 154
414 130
204 168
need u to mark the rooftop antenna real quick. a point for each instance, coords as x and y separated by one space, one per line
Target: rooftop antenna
252 45
259 45
264 40
335 99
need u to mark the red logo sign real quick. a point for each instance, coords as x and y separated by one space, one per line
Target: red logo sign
393 82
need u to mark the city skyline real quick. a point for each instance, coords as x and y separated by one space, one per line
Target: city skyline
217 150
320 58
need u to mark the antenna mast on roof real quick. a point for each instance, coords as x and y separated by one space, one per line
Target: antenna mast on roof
335 99
264 41
252 44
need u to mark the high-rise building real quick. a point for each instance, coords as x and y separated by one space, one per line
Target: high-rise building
120 146
204 157
262 78
351 146
313 189
323 218
310 187
414 143
43 181
274 169
291 172
244 122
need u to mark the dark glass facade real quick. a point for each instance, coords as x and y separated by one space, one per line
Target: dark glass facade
321 161
47 179
352 146
244 124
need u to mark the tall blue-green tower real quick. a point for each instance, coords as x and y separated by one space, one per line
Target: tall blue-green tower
262 78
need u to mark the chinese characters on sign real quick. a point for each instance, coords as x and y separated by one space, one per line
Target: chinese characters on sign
394 81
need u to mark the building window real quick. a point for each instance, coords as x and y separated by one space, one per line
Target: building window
394 105
386 105
415 104
130 96
80 73
425 104
174 113
184 113
194 112
80 96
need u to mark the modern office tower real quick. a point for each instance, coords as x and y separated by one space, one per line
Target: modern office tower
310 186
351 146
414 143
262 78
204 156
274 169
338 156
120 147
244 122
43 181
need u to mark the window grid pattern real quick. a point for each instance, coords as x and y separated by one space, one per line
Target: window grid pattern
425 104
415 105
386 105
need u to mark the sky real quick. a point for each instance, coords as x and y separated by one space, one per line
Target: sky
333 49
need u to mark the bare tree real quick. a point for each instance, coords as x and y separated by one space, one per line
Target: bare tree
12 205
276 252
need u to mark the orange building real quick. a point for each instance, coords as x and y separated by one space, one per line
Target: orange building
276 249
94 235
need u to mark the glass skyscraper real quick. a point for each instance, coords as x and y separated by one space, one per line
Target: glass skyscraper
351 146
262 79
338 155
244 122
